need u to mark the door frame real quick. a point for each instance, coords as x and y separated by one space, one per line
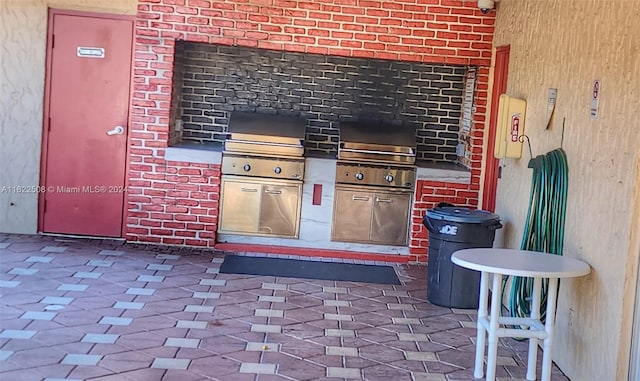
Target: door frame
491 163
46 112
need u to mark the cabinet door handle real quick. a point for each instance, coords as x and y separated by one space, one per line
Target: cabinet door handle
269 191
387 200
360 198
248 189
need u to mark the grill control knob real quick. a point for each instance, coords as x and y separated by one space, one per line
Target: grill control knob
389 178
277 170
359 176
246 167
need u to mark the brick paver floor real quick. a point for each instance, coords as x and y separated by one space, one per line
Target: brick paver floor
87 309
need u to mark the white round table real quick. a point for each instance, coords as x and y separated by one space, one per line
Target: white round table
499 262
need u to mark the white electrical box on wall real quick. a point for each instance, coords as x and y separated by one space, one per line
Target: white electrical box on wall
510 127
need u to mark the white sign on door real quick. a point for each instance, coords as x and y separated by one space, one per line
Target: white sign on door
89 52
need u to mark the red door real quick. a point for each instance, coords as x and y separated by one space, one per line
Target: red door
86 112
500 75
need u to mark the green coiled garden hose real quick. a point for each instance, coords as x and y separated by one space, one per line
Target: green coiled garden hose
544 227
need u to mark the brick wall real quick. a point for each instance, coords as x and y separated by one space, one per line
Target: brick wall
176 204
322 90
428 195
426 31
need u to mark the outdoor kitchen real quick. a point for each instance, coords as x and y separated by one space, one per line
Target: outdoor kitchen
316 150
327 67
144 96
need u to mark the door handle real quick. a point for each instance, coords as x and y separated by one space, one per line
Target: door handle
360 198
269 191
388 200
117 130
248 189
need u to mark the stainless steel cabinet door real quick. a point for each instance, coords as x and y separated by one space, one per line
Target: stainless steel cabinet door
280 210
390 218
351 216
240 207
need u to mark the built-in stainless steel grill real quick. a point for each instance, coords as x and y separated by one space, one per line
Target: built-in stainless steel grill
264 146
375 178
377 143
376 155
262 173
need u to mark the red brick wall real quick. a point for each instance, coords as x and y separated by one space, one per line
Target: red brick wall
437 31
174 203
433 31
428 195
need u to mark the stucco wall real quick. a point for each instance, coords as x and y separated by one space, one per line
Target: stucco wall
566 45
23 35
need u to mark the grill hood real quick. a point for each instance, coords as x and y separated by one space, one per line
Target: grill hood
253 133
377 143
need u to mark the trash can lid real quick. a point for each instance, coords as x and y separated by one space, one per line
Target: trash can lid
460 214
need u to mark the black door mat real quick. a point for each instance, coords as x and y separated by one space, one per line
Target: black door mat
293 268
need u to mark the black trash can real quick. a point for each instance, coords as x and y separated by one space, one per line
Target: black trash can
450 229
